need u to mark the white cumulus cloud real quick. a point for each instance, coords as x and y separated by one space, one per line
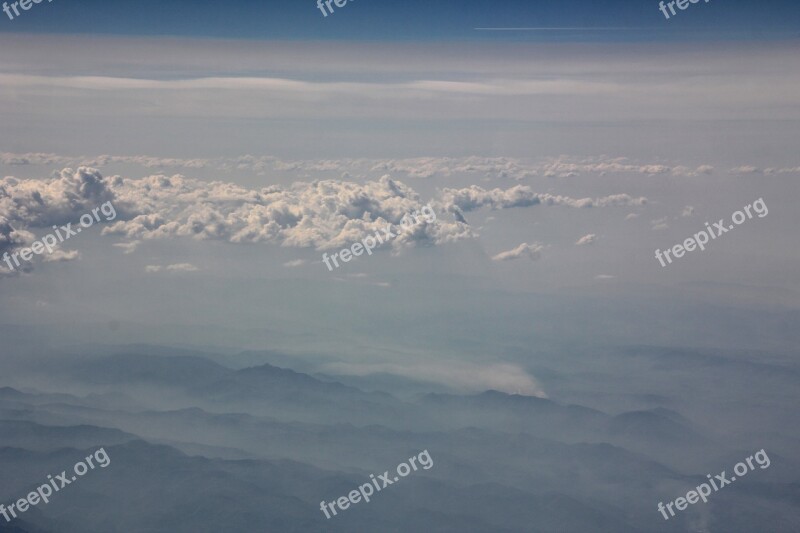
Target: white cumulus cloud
524 250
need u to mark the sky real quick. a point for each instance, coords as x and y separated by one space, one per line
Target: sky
416 20
546 240
240 141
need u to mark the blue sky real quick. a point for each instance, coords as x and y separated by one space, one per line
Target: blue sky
415 20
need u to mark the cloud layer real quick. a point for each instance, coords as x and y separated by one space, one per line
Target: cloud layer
416 167
321 214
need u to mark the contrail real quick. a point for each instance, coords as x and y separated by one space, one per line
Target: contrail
559 29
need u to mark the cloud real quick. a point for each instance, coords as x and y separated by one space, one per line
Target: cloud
660 224
475 197
687 211
12 239
480 82
565 166
49 159
295 263
705 169
12 159
586 239
56 201
345 168
790 170
59 256
182 267
632 216
289 88
524 250
324 214
745 169
752 170
178 267
128 247
604 276
459 374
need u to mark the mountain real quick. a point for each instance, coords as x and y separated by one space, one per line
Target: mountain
197 446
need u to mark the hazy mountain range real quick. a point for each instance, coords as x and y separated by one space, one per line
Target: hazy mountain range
199 446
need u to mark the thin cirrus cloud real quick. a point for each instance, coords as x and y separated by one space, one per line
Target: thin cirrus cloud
240 97
476 84
411 89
